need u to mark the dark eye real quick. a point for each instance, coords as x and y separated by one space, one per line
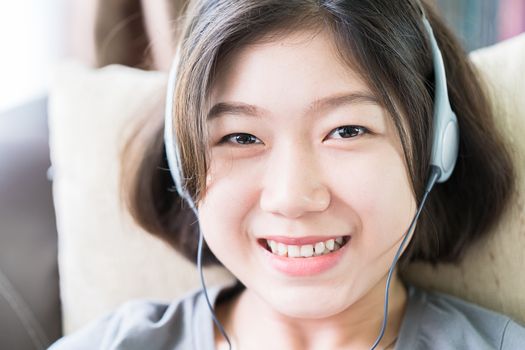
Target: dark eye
241 139
349 131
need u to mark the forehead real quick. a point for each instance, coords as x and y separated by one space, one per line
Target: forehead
298 65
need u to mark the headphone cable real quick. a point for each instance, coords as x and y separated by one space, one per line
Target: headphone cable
199 266
434 175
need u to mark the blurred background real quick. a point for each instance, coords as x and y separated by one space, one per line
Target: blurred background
37 35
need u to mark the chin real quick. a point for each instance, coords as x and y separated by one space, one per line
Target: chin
295 306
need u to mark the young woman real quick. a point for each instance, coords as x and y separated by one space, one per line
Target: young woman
303 134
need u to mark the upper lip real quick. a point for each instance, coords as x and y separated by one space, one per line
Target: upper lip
300 240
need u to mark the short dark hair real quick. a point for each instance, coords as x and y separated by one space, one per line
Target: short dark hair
388 43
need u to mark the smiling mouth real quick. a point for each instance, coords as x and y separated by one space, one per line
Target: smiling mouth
304 251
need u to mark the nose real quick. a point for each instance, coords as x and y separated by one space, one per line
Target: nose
293 184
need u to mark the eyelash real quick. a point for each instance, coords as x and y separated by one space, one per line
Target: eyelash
362 131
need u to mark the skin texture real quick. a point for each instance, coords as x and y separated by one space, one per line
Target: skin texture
299 177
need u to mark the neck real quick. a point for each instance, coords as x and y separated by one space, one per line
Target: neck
357 327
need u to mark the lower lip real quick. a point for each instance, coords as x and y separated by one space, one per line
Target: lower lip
304 266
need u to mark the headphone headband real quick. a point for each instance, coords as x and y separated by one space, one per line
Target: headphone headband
445 139
170 138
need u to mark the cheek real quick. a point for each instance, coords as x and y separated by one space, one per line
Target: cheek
224 210
230 187
378 190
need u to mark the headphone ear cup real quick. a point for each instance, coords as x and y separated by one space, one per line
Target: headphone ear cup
450 145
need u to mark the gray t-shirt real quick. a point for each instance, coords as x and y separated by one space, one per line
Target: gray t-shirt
432 321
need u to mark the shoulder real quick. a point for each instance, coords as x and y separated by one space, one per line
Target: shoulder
139 324
447 322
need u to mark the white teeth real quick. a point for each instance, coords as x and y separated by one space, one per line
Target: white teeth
307 250
273 246
319 248
294 251
282 249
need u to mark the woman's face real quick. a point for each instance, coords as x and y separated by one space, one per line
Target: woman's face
301 153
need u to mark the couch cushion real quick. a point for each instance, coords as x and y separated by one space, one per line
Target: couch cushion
104 258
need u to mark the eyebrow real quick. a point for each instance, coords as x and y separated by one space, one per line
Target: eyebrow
240 108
